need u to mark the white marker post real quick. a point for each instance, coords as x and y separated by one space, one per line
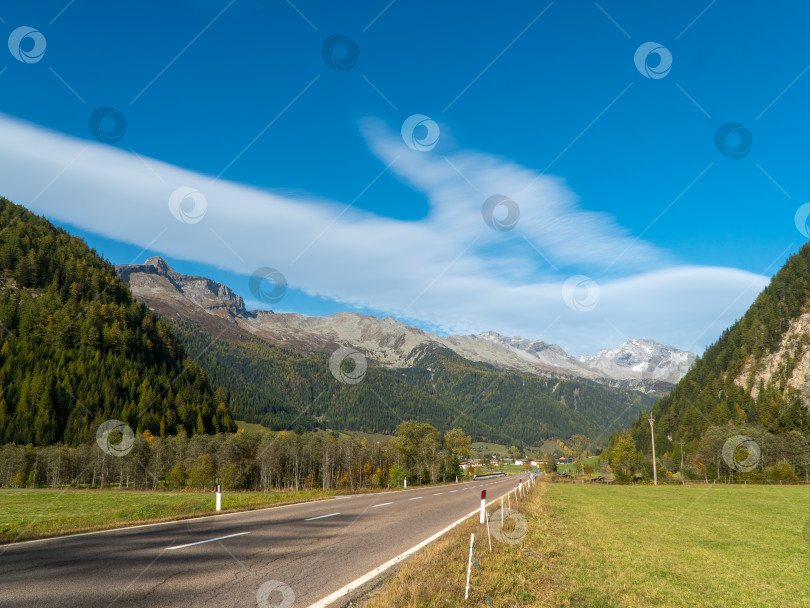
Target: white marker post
483 506
469 567
219 497
406 483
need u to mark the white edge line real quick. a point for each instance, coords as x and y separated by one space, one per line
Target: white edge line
321 517
359 582
202 542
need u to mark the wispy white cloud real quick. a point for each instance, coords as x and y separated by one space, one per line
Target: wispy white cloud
449 271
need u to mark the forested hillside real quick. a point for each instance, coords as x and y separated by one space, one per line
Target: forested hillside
752 380
76 350
283 389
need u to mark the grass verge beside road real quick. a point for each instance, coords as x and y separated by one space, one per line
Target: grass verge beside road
30 514
625 546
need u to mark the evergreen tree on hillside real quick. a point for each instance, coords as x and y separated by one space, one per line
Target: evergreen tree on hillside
710 395
76 350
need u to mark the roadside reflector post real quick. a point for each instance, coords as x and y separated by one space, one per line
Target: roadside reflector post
483 506
406 483
469 566
219 497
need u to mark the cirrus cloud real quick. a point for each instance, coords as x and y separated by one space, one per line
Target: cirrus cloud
448 272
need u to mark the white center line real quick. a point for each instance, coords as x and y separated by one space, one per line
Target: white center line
321 517
451 491
438 493
416 498
210 540
382 505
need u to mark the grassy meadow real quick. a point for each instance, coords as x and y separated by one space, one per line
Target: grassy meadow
626 546
29 514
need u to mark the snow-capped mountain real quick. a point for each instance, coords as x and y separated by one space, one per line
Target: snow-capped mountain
640 364
641 359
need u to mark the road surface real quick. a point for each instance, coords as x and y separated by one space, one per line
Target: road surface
306 551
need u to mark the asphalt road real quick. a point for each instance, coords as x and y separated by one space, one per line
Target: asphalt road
311 550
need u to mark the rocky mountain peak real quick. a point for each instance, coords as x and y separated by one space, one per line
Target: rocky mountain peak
393 343
647 359
159 263
160 287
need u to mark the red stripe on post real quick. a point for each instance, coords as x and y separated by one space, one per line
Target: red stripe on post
483 494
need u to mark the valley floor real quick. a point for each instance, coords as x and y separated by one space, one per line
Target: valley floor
31 514
625 546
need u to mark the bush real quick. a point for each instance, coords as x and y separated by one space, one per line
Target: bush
176 477
202 472
397 476
623 477
782 471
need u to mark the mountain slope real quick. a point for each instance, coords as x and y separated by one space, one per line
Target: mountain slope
757 372
275 367
76 349
641 364
281 388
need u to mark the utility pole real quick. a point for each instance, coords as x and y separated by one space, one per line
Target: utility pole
652 438
681 442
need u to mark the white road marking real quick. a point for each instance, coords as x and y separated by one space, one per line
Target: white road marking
329 599
438 493
202 542
416 498
321 517
382 505
451 491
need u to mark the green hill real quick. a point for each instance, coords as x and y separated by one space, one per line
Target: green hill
281 388
752 379
76 349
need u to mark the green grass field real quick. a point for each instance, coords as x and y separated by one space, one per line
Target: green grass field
572 468
682 546
627 546
28 514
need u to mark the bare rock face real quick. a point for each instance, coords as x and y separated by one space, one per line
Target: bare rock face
791 359
161 288
639 364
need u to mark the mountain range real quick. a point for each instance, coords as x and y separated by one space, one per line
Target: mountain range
276 369
638 364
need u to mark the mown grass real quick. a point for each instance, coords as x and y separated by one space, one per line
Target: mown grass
30 514
513 574
603 546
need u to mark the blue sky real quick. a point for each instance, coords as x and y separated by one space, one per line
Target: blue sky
617 176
